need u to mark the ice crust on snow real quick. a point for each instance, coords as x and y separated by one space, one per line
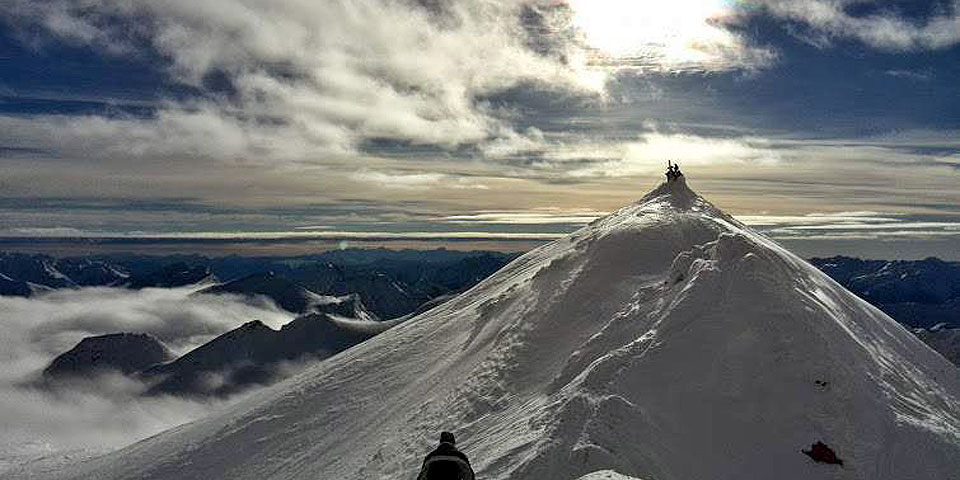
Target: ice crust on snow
665 341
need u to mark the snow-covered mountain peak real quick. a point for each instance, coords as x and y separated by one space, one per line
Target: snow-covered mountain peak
664 341
676 191
672 202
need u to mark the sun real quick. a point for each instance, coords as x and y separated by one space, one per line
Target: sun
656 33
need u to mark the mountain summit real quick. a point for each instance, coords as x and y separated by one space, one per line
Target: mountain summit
665 341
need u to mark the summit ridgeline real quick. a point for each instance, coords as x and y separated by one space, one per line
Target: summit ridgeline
675 193
664 341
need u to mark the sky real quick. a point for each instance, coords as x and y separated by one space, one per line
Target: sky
257 125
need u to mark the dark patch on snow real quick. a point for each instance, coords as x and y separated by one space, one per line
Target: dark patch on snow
821 453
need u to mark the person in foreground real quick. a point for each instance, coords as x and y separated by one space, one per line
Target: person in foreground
446 462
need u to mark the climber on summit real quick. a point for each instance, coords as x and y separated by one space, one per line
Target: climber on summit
673 171
446 462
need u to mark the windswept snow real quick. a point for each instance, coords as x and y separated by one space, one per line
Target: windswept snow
606 475
665 342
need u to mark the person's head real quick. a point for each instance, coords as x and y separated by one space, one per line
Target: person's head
447 437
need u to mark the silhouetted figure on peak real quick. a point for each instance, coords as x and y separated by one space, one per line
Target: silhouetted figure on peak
446 462
673 171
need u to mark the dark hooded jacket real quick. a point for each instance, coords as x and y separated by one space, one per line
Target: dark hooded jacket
446 463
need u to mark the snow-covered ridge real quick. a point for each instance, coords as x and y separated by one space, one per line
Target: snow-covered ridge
606 475
664 341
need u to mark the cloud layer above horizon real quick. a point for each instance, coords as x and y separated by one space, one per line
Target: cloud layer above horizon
249 115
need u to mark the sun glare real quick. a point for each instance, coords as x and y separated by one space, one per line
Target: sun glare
667 34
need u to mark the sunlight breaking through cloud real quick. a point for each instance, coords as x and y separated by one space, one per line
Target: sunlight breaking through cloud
664 36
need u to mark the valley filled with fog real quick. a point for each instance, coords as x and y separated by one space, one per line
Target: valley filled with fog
107 413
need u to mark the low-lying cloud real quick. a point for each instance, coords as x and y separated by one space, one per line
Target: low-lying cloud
54 322
109 413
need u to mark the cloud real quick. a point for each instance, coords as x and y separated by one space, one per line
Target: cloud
175 133
302 80
315 82
417 181
306 233
863 225
880 27
32 331
648 154
536 217
36 426
58 320
818 219
678 36
917 76
277 114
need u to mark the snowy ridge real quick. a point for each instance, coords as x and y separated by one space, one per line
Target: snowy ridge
665 342
606 475
367 326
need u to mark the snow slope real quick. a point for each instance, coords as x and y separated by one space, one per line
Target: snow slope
606 475
666 342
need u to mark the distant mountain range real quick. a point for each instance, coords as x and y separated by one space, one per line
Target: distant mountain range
918 294
331 300
943 339
922 295
390 283
255 354
19 288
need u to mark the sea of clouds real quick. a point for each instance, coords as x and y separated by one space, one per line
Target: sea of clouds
43 425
